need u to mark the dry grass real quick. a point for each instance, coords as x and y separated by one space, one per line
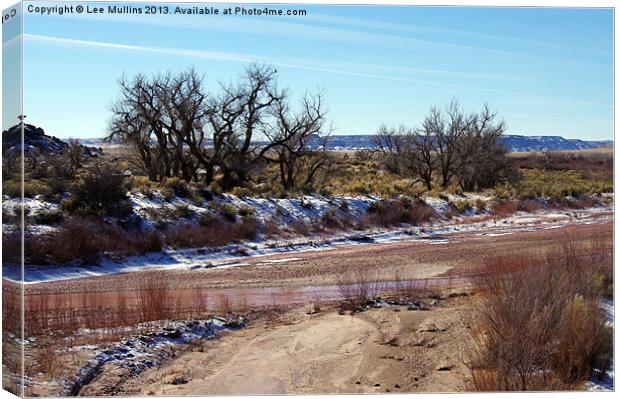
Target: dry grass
154 299
358 286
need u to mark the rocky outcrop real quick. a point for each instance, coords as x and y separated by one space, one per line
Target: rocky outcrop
36 142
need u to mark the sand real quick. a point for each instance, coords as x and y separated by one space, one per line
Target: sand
380 350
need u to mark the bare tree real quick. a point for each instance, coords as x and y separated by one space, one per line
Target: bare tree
157 117
447 127
135 122
255 98
481 160
422 161
74 154
173 127
290 141
391 145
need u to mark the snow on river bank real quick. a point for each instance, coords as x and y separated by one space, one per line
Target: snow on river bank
437 232
145 351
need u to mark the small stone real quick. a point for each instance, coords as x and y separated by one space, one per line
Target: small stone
179 381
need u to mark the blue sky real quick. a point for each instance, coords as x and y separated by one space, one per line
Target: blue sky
546 71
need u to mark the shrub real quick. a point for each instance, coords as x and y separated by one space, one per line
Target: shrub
270 228
460 207
167 193
77 240
205 218
154 297
540 326
529 206
535 183
48 217
101 192
85 240
241 192
177 185
330 220
183 211
229 212
143 185
216 234
357 286
480 205
503 209
37 187
390 213
12 188
246 212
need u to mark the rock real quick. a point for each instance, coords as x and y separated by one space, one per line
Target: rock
179 381
37 142
361 238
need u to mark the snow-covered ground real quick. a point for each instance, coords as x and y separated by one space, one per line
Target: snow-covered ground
291 210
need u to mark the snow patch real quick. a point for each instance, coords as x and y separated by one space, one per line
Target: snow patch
145 351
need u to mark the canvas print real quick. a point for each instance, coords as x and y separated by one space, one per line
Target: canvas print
222 199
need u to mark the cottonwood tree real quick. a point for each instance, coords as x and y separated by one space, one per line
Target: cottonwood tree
481 160
173 126
391 146
448 127
298 142
135 122
422 161
157 117
455 146
256 95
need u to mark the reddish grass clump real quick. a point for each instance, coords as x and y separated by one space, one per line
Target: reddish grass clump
214 234
391 213
540 326
84 240
502 209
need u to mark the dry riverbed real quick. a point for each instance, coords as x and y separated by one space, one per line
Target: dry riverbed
390 349
294 350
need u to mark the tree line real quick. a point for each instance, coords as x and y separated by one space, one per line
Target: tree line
176 128
450 144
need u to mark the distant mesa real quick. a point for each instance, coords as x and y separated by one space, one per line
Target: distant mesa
514 143
36 142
